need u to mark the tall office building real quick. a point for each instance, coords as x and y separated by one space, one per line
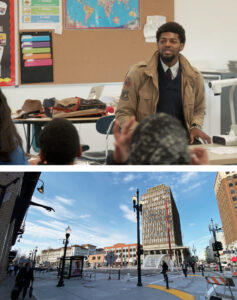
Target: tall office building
161 230
226 195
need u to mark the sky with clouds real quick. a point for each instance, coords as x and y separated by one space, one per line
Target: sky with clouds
98 207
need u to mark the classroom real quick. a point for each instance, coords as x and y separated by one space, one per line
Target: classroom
85 59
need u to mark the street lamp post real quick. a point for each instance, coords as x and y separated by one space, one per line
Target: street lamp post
214 228
138 207
30 255
34 253
67 234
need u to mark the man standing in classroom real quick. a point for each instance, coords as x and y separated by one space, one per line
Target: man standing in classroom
167 83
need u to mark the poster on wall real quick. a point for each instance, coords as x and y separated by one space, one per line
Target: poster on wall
41 14
7 43
36 57
76 269
86 14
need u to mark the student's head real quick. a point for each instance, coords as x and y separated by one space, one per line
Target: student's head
159 139
59 142
170 39
9 138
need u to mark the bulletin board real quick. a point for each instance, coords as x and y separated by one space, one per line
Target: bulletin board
103 55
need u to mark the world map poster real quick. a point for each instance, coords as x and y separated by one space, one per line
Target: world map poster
86 14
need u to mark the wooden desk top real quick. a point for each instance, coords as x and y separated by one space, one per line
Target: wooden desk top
219 154
46 120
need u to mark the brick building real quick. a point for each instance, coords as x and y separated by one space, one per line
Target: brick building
161 222
126 253
226 194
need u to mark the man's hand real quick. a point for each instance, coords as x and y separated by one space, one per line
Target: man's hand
122 141
198 133
198 156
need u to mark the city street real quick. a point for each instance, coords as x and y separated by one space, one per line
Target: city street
97 285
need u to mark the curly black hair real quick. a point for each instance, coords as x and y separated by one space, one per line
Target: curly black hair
171 27
59 142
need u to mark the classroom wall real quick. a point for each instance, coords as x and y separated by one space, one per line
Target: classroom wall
211 41
211 31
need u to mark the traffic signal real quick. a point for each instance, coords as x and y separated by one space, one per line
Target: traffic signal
217 246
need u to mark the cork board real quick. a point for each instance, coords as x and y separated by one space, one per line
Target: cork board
104 55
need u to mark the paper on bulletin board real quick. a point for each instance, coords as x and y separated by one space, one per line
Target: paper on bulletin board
7 43
41 14
151 26
36 57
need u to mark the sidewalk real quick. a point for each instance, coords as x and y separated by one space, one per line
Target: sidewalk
6 288
101 288
75 289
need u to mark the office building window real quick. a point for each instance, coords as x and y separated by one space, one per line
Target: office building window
232 191
234 198
231 184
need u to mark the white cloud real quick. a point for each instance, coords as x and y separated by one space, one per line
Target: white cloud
192 187
85 216
129 177
61 212
64 200
192 224
128 213
132 189
187 176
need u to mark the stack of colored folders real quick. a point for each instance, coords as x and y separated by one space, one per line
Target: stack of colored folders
36 50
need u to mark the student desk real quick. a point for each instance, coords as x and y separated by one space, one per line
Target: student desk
219 154
43 121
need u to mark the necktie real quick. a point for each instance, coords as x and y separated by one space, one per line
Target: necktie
168 74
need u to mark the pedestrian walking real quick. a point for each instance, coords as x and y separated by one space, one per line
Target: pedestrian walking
16 268
10 270
23 279
164 269
193 267
202 269
185 268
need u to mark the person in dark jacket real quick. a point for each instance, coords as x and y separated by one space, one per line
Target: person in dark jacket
185 268
23 279
164 269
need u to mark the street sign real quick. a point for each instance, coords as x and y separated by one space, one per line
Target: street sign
228 251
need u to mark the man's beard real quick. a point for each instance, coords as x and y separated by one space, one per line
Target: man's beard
167 59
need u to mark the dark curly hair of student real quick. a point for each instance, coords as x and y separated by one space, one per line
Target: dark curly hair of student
59 142
171 27
9 138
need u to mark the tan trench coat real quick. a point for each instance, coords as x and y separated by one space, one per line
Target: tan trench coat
140 93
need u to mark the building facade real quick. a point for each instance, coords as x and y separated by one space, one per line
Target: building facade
226 194
161 229
126 253
51 257
16 189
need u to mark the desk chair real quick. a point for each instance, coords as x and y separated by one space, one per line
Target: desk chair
104 125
